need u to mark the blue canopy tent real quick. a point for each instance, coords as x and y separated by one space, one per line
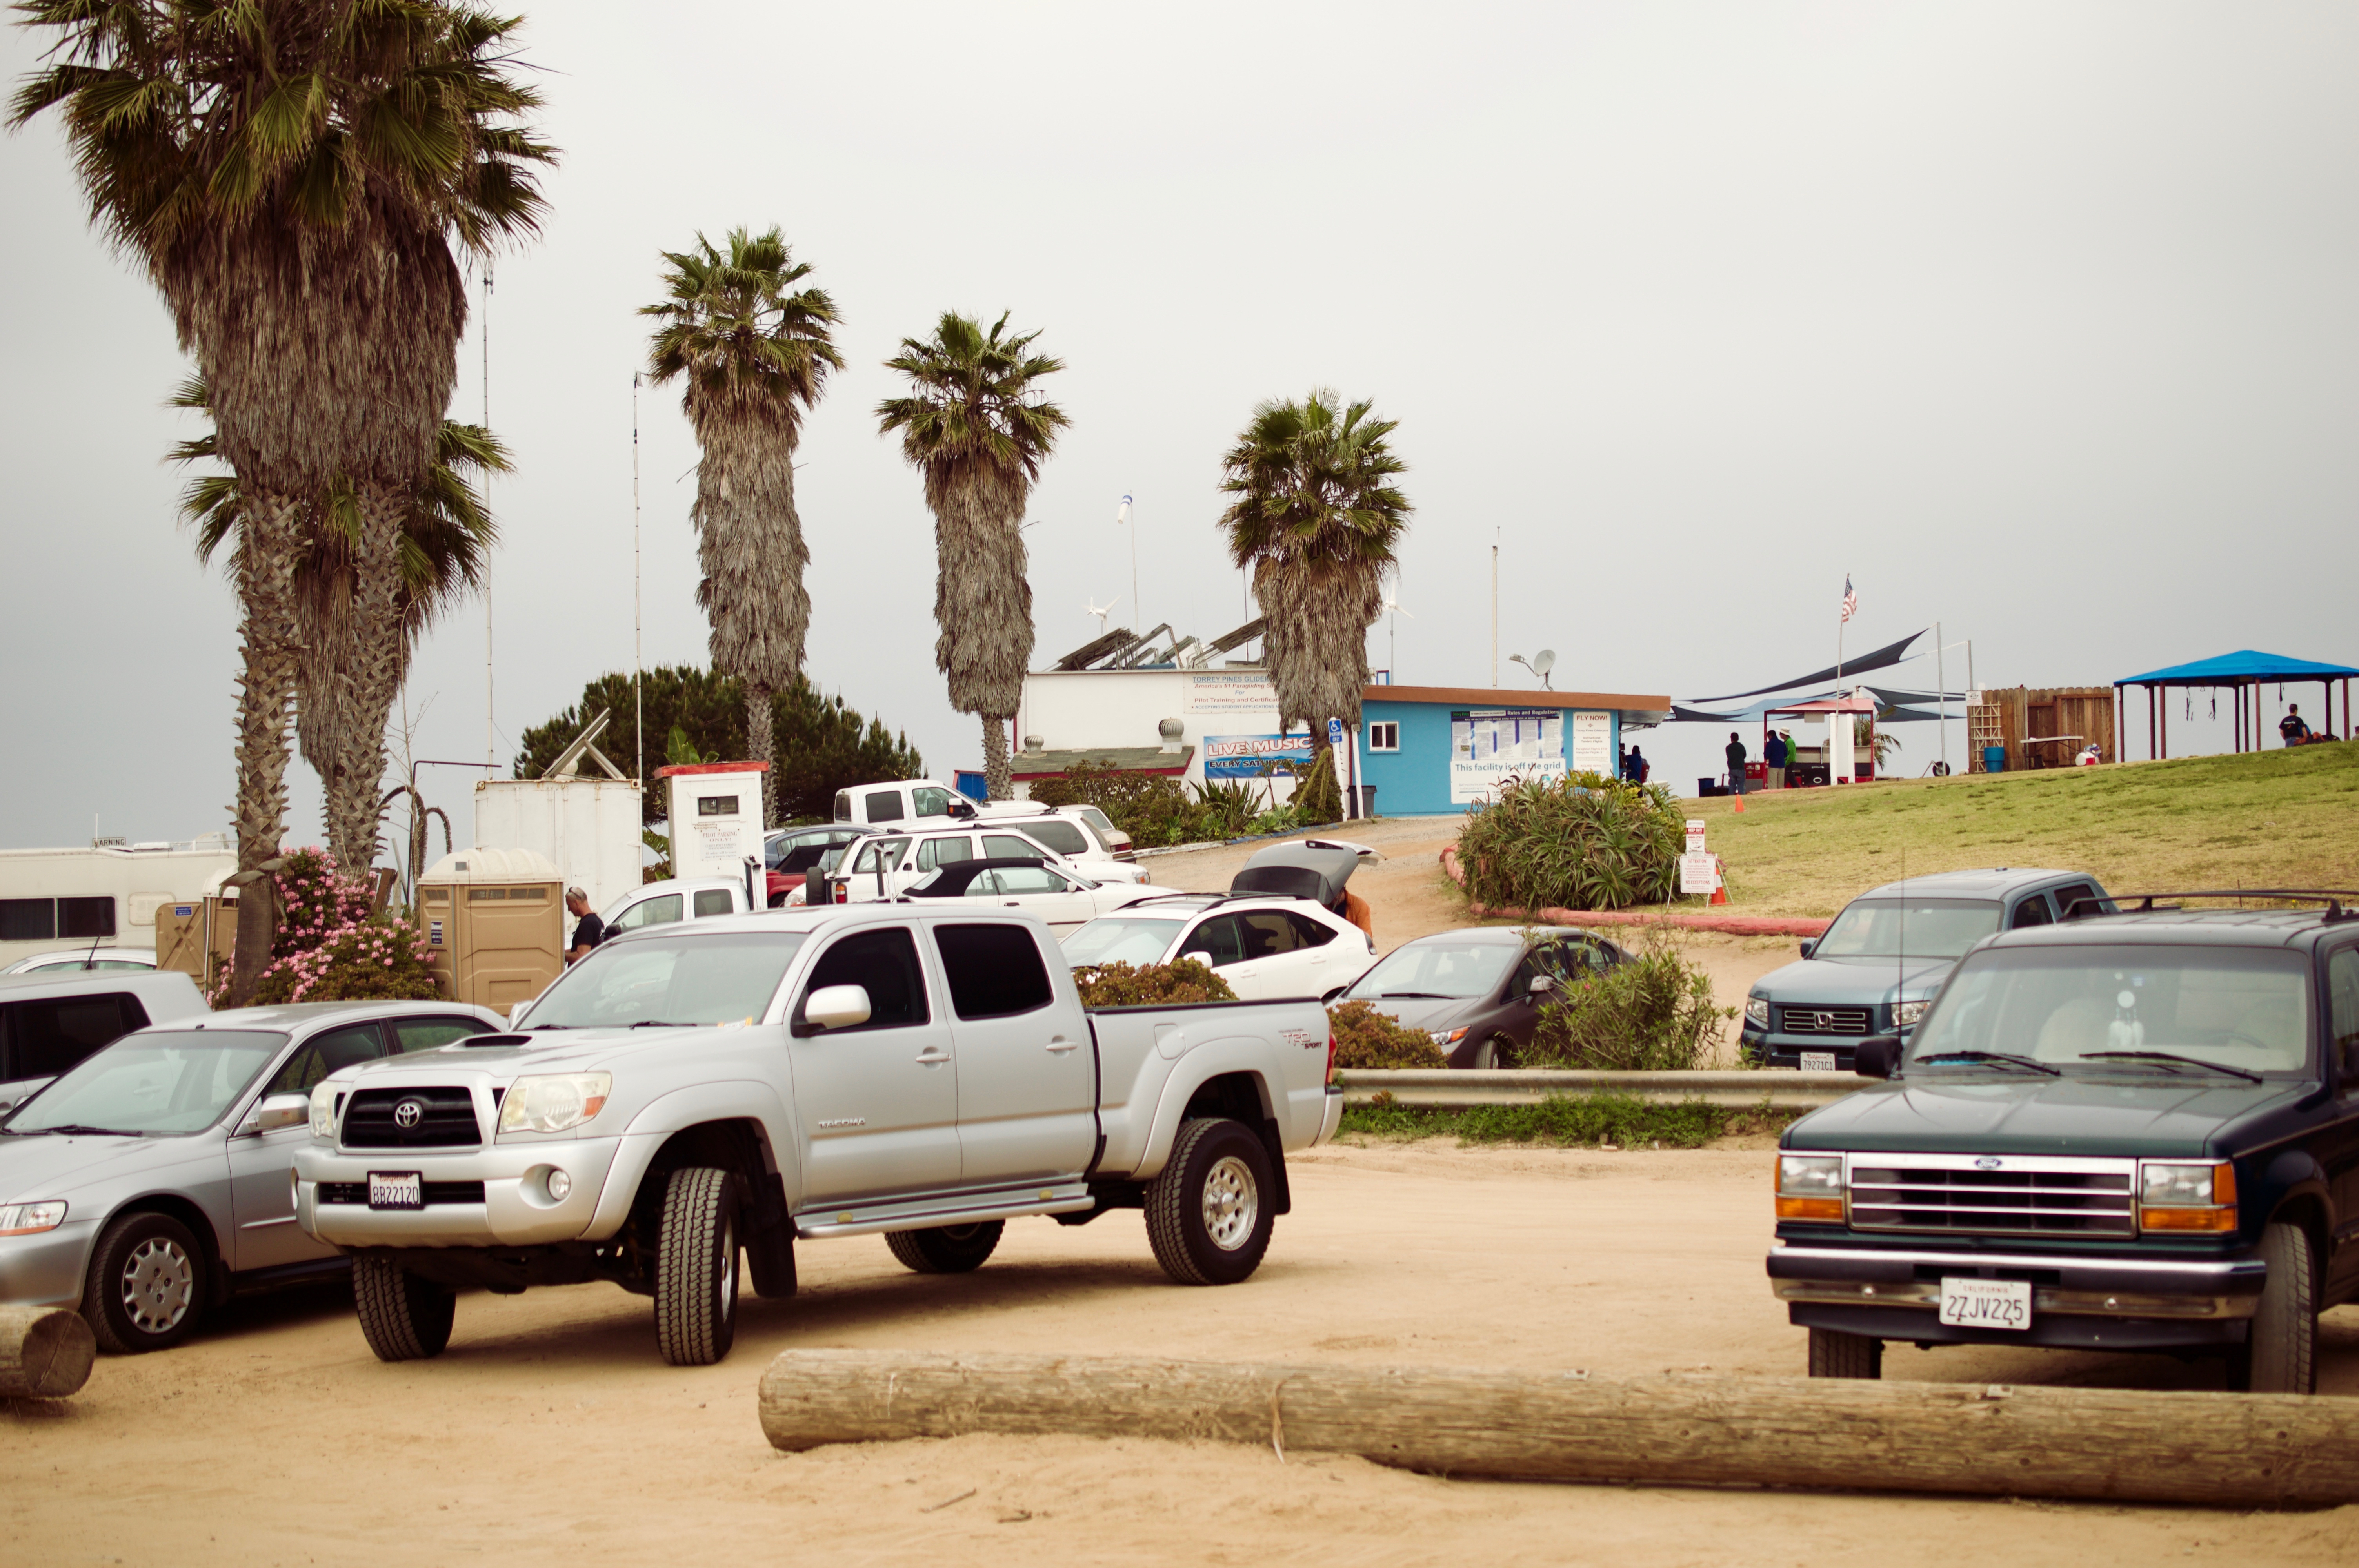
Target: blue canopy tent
2244 672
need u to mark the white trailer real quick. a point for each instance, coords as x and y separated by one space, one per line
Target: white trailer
106 894
588 829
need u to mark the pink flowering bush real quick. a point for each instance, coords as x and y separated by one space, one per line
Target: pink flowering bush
332 948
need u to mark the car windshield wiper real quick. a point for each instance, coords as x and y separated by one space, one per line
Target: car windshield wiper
1998 1058
661 1023
78 1127
530 1027
1420 996
2170 1056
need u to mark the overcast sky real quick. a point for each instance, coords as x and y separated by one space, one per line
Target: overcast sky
2035 319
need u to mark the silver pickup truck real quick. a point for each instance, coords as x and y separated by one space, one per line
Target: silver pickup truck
694 1091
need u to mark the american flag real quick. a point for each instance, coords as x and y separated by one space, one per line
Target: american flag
1850 599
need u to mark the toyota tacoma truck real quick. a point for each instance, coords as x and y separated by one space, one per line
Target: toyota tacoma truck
693 1092
2136 1131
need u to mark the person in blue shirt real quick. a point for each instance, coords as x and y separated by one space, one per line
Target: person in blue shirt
1773 757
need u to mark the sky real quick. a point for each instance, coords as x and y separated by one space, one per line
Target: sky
2034 321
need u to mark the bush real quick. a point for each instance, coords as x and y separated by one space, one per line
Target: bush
1366 1038
1182 983
1317 798
1583 841
331 947
1605 1118
1654 1013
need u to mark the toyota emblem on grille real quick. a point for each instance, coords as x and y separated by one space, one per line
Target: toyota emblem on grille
409 1113
1988 1163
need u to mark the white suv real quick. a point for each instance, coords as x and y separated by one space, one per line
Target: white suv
1265 947
883 864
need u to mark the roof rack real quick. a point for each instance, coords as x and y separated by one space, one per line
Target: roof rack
2338 900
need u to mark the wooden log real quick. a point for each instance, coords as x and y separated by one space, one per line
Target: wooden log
45 1352
2218 1450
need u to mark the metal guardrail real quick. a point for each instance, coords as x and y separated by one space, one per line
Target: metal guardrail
1782 1089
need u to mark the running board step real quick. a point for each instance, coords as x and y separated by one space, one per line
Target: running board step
964 1208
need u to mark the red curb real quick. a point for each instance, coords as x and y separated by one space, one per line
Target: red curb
1729 924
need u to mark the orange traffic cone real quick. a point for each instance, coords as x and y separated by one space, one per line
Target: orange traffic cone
1719 880
1740 805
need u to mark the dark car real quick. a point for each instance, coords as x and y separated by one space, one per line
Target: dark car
2137 1130
1478 993
1876 970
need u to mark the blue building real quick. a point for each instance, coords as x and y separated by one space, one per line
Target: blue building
1432 749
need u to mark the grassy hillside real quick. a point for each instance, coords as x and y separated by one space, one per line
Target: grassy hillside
2268 819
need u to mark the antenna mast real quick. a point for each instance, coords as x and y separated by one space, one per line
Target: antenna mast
639 698
491 748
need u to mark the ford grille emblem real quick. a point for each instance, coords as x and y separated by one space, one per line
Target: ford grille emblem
1987 1163
409 1113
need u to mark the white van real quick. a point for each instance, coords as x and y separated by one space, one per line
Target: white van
107 894
901 801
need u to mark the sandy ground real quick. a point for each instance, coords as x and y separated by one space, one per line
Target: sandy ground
551 1433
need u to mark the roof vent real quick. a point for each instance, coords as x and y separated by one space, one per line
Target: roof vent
1171 729
1032 744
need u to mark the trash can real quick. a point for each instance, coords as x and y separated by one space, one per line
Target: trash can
1367 795
1993 759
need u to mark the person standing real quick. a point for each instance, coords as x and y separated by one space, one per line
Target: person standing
1773 758
1735 752
590 930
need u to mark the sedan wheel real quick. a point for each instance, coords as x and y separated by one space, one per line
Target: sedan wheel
146 1284
1497 1052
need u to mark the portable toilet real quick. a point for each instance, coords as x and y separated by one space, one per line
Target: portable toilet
494 924
716 817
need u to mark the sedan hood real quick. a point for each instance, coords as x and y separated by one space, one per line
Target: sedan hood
1426 1013
2004 1113
58 1164
1854 981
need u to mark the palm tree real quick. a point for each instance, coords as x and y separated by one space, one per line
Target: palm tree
292 175
978 429
1317 518
755 357
444 553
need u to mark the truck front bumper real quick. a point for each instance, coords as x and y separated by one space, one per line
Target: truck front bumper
2095 1302
513 1210
1763 1048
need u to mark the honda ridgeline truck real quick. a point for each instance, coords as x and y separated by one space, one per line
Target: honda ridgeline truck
696 1090
2135 1130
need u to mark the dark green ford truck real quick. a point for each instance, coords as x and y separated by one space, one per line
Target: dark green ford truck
2135 1131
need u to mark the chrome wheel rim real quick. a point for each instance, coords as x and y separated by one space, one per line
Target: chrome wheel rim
1231 1202
728 1268
159 1285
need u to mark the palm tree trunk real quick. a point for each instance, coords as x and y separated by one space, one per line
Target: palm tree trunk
368 683
998 784
762 747
268 534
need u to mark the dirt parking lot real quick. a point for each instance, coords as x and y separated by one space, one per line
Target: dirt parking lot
551 1433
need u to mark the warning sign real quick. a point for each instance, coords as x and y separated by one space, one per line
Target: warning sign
1697 872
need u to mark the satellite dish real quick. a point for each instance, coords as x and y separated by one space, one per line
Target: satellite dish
1543 661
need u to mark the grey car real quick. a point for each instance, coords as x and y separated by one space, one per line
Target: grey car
1876 970
151 1181
1478 993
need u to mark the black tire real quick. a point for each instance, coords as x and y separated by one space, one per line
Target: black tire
946 1249
1497 1052
696 1268
2280 1357
1208 1215
403 1316
1834 1354
146 1284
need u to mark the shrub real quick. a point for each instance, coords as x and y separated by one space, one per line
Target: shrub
1317 798
1583 841
382 958
1180 983
1152 809
1366 1038
1604 1117
1654 1013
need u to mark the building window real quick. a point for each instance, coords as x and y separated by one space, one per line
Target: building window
1384 737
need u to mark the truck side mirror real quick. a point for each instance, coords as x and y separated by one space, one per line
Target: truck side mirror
1809 947
1875 1059
834 1007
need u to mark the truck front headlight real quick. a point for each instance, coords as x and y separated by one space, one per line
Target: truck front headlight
324 1109
2187 1197
31 1218
554 1102
1907 1013
1811 1186
1757 1010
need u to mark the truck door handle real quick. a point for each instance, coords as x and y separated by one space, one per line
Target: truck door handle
1061 1046
932 1054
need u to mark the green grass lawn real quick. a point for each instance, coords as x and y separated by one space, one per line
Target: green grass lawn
2275 819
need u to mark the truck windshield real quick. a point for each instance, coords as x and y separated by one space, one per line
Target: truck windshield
1118 941
1920 927
688 978
2247 1009
162 1081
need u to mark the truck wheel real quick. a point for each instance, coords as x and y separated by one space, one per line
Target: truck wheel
1834 1354
946 1249
146 1286
696 1268
403 1317
2280 1355
1208 1215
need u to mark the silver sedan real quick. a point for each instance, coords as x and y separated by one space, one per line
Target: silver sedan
151 1181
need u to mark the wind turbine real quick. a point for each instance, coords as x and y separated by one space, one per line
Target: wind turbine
1539 664
1392 633
1101 611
